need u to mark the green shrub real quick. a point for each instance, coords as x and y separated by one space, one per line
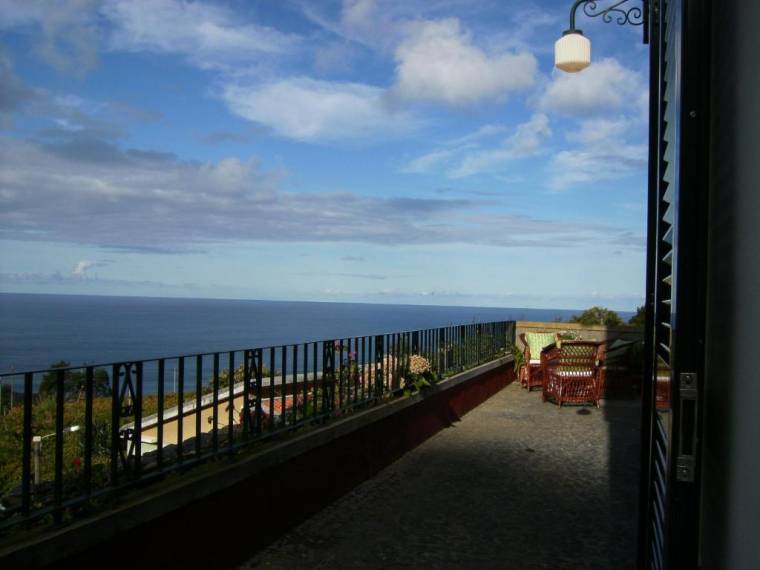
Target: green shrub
639 319
598 316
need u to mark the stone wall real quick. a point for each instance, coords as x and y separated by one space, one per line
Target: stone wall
595 333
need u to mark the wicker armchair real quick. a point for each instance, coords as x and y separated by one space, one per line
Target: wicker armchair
531 374
573 373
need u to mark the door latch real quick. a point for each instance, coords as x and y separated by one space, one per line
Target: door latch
687 434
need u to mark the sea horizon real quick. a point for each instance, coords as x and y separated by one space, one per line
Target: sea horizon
338 302
39 329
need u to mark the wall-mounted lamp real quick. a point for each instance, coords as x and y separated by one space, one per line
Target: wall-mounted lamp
572 52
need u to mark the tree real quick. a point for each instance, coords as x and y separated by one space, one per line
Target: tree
74 382
639 319
598 316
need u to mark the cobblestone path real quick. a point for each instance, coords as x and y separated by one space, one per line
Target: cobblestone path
515 484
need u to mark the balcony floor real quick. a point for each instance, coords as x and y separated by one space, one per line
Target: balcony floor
515 484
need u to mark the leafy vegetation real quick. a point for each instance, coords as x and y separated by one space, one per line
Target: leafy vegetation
74 382
518 357
43 423
598 316
418 374
639 319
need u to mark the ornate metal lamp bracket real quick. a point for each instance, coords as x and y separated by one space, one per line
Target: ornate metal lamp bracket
615 12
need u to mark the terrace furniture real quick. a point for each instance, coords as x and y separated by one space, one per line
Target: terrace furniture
573 373
535 343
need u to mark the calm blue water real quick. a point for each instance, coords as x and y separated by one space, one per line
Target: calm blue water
37 330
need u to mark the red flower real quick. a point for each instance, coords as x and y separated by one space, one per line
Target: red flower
76 462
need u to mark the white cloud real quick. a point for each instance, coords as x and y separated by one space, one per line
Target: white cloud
531 29
80 269
527 140
358 13
334 58
427 162
207 35
64 114
528 136
573 167
361 22
439 62
65 32
602 152
602 87
600 132
132 200
485 131
313 110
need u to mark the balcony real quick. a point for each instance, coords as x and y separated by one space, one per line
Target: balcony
237 447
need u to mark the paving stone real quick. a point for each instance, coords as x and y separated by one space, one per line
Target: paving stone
517 483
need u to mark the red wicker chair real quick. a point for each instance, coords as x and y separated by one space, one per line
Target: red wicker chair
531 374
573 373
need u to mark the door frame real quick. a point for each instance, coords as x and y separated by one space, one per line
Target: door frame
688 312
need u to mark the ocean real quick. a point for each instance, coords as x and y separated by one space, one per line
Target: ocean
38 330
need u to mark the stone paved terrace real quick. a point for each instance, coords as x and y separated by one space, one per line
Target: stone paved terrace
515 484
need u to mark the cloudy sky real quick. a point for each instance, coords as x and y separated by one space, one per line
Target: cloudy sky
413 151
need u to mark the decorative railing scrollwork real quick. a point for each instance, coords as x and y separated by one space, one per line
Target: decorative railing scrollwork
127 374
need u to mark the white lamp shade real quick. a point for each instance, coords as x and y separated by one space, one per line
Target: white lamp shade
572 52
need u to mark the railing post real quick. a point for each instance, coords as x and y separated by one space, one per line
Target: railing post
294 388
443 349
340 374
88 395
271 387
160 377
477 342
305 405
180 408
283 382
58 481
258 360
314 367
138 417
26 470
215 404
231 401
249 368
463 348
379 371
328 375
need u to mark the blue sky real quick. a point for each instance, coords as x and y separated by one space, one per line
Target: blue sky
375 151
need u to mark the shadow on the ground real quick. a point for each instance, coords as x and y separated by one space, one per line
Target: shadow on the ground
515 484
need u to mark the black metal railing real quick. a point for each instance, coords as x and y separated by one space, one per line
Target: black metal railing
119 424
